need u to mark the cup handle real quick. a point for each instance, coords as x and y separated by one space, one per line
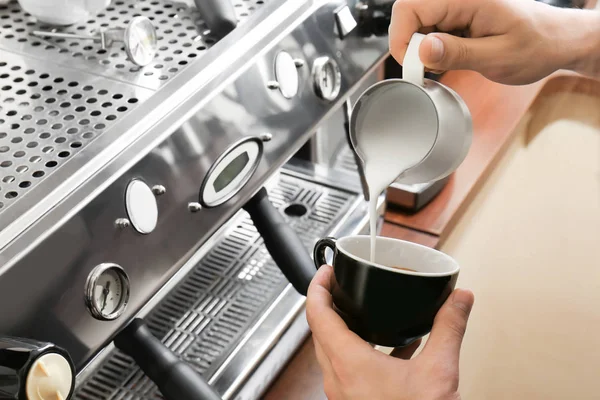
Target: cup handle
413 69
319 251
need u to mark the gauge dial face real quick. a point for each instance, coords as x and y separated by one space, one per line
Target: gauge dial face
327 78
107 291
140 41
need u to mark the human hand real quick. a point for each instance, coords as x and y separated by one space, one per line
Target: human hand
508 41
352 369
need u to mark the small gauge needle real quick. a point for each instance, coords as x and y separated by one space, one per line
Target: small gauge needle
105 292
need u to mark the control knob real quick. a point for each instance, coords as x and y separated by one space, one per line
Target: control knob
175 379
32 370
287 78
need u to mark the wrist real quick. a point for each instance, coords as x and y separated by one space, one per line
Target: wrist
578 46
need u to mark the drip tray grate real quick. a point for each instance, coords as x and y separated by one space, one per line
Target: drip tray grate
206 315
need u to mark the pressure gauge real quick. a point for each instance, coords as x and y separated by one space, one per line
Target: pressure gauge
327 78
231 171
140 41
107 291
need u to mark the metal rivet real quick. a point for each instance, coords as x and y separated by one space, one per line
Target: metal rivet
299 63
273 85
265 137
159 190
194 207
122 223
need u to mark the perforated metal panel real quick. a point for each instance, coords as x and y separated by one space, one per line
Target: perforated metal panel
57 95
205 317
47 116
182 38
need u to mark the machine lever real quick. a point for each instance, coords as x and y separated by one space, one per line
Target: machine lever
175 379
281 240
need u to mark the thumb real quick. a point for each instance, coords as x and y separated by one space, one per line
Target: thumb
442 51
449 327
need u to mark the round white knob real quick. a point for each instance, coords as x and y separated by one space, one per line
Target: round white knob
141 206
50 377
286 74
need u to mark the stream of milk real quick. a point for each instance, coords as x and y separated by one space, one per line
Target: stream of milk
378 180
384 162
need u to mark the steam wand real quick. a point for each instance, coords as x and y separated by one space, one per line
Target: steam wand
176 379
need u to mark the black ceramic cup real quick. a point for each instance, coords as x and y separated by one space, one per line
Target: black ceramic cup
381 303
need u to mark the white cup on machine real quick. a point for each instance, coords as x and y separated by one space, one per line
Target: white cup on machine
63 12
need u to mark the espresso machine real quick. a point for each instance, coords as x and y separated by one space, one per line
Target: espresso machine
156 221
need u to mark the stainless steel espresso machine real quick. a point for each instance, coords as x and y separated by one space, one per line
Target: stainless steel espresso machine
156 221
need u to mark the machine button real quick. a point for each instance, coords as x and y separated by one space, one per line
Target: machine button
141 206
344 21
50 377
286 74
34 370
327 78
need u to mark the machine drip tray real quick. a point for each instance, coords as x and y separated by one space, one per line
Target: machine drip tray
208 315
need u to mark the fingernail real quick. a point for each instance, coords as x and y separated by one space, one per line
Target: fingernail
463 299
437 49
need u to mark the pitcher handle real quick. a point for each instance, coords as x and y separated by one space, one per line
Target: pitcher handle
413 69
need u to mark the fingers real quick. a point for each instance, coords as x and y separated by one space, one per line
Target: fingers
405 353
328 328
410 16
441 51
449 327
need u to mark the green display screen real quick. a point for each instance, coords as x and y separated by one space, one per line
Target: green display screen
230 172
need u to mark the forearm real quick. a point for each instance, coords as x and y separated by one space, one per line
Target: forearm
578 47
